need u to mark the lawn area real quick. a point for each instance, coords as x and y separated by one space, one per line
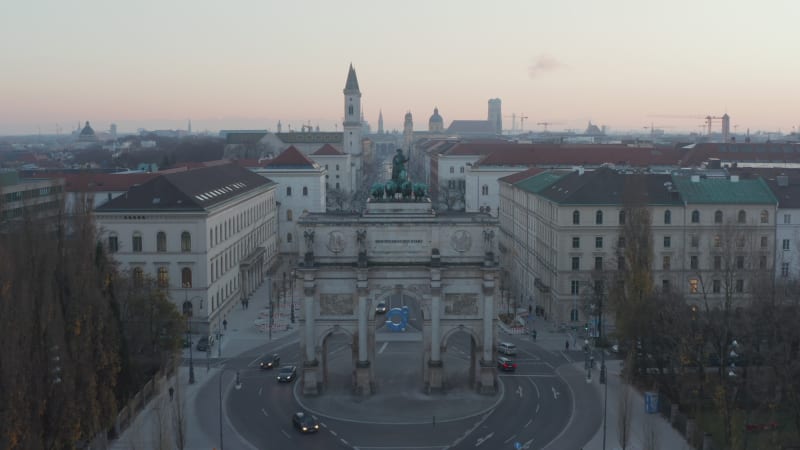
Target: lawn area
759 429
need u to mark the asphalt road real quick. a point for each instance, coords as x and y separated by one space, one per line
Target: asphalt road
536 408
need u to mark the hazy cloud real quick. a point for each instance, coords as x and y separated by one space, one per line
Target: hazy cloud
544 63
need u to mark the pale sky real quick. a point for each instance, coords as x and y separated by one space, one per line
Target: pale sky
247 64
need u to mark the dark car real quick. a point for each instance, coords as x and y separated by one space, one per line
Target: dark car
202 344
271 362
287 374
305 423
380 308
506 364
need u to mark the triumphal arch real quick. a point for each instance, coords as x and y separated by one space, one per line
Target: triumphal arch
398 246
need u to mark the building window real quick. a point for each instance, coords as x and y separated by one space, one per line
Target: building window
667 241
461 169
621 242
163 277
598 263
576 217
576 242
665 286
622 217
137 242
717 262
740 262
695 241
186 277
739 286
694 285
573 315
138 277
762 262
288 215
305 191
741 217
337 167
740 241
764 216
695 216
785 270
598 242
574 287
787 219
113 243
667 217
452 170
288 191
716 286
694 262
289 238
717 241
666 263
186 241
718 217
338 186
598 217
161 241
764 241
785 245
576 263
485 189
620 262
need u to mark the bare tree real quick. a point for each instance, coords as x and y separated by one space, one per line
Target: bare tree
624 415
451 197
179 416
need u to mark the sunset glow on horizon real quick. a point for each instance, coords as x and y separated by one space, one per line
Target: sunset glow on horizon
625 64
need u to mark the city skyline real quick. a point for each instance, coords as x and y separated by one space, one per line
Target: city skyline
250 64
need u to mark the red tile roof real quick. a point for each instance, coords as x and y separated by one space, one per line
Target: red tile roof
514 177
696 154
328 150
290 158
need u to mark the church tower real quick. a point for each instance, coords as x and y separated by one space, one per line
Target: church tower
408 133
352 126
380 122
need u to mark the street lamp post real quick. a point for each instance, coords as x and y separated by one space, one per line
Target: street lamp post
238 386
292 287
188 313
602 365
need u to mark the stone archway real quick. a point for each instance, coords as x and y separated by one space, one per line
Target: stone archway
342 338
474 353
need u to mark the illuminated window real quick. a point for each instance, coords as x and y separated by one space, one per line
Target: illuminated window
186 277
694 286
163 277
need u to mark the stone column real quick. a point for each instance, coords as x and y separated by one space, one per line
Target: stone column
435 369
487 372
363 370
312 377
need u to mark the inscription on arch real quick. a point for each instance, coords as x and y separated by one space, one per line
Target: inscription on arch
336 305
461 304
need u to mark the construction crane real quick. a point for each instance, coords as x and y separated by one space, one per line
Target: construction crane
654 128
522 118
546 124
709 120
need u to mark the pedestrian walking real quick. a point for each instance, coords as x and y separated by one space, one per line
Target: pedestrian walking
171 392
566 345
225 324
533 334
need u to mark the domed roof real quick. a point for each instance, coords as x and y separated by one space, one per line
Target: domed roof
87 130
436 118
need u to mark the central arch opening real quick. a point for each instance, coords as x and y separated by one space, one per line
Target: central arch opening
338 353
398 343
459 361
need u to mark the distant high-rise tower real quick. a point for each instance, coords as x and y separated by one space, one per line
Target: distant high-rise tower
436 123
408 133
726 128
189 128
279 126
380 122
113 130
496 115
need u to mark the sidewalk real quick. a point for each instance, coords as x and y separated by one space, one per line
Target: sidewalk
644 428
154 426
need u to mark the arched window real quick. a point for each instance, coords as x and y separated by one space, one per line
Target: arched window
161 241
718 217
186 241
742 217
485 189
305 191
598 217
113 243
350 110
695 216
137 242
576 217
187 308
186 277
622 217
764 216
138 276
288 215
289 237
163 277
667 217
288 191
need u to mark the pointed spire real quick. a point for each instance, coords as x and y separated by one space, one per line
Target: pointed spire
352 80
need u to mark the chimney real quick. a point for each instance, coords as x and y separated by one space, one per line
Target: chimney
783 180
578 169
695 178
734 178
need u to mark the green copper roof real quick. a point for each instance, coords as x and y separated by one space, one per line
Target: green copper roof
723 190
538 183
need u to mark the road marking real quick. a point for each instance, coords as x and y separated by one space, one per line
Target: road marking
530 421
383 347
555 393
509 439
286 434
344 442
537 408
259 391
527 445
333 433
265 413
484 439
519 391
536 388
